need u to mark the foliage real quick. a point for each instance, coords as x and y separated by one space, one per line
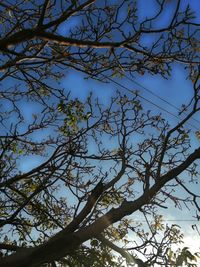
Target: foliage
183 256
43 38
78 188
73 172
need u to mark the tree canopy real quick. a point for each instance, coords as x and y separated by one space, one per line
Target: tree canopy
109 37
94 164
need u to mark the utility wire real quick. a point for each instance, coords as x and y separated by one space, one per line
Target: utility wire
149 101
157 96
163 109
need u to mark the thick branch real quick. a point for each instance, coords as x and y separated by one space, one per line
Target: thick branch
62 244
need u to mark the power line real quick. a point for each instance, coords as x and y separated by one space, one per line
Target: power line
157 96
149 101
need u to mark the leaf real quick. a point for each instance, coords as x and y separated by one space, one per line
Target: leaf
197 133
60 106
94 243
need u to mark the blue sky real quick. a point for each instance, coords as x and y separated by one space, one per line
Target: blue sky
80 88
176 89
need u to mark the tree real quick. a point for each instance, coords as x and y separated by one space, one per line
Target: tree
97 164
108 37
80 193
